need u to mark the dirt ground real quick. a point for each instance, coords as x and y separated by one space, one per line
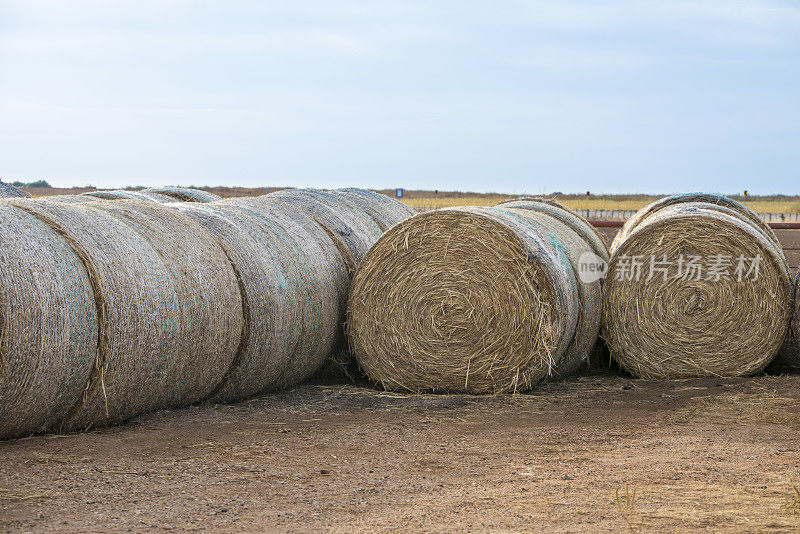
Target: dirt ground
693 454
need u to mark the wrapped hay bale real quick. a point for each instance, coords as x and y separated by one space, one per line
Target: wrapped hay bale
317 277
184 194
350 229
9 191
462 299
121 194
208 299
151 348
268 272
48 325
386 211
695 289
583 246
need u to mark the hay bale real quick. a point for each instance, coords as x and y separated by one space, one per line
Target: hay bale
122 194
208 299
184 194
386 211
48 325
462 300
272 294
684 198
688 323
318 278
148 273
350 229
9 191
580 241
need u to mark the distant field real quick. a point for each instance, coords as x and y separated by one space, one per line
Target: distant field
432 200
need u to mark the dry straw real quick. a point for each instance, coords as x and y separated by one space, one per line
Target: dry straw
583 246
9 191
386 211
316 278
168 308
48 325
184 194
673 325
462 299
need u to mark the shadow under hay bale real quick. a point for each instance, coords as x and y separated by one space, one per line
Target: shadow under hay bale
788 358
183 194
48 325
718 318
159 346
548 215
462 300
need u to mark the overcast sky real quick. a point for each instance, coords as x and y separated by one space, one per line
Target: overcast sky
518 97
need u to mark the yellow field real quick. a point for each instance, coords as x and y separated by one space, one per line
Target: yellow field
759 206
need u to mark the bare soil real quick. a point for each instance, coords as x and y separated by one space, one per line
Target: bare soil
698 454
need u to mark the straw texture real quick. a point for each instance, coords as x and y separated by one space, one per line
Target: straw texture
48 325
560 224
696 326
386 211
462 299
144 359
184 194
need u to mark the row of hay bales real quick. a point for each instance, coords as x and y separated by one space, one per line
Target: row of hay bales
113 308
488 300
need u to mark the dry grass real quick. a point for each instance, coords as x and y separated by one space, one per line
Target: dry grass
680 326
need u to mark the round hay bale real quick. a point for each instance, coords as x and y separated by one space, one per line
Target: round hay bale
184 194
121 194
386 211
580 248
465 299
318 278
150 346
9 191
48 325
709 298
708 198
267 268
351 230
209 304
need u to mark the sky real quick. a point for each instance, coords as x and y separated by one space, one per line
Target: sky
507 96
